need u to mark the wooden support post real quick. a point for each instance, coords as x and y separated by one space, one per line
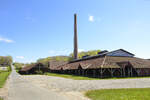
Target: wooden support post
94 73
121 72
111 72
101 71
128 72
76 72
124 72
39 66
131 72
71 72
86 73
82 72
138 72
146 72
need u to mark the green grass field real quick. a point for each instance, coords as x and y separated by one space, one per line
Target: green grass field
71 76
1 98
3 78
87 78
119 94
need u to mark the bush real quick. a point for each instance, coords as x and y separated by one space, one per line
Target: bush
39 72
9 68
18 66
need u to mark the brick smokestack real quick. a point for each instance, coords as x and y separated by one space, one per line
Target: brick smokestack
75 38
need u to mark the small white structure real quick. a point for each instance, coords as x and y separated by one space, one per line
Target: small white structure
3 68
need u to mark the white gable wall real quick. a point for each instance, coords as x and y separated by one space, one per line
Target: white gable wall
3 68
119 53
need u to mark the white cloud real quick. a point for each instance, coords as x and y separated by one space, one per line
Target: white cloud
6 40
20 57
95 18
91 18
80 50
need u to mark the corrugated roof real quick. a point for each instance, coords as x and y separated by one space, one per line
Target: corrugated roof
26 68
107 62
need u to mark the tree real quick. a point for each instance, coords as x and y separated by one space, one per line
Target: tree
45 61
6 60
18 65
90 53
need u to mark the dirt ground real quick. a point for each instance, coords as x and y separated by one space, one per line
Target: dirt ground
75 89
25 88
66 89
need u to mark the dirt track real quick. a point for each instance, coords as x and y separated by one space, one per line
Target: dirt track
21 88
69 85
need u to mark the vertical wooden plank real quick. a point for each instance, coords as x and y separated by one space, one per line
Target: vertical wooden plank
131 72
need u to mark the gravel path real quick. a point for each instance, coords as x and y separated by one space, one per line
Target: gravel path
41 87
22 89
69 85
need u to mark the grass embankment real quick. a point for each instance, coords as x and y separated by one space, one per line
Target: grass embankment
71 76
3 78
119 94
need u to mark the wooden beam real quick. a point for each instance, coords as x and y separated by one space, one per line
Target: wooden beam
121 72
101 73
111 72
94 73
131 72
82 72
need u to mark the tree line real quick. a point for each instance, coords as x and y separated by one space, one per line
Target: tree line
45 61
6 60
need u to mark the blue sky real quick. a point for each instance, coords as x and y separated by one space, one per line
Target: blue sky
32 29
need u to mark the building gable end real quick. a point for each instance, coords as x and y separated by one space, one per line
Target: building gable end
121 53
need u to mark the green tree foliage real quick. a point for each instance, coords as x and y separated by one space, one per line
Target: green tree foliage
55 58
66 58
6 60
18 66
90 53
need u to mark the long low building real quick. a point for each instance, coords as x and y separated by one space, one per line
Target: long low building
37 68
118 63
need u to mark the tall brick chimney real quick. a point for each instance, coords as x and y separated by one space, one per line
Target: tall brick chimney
75 38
